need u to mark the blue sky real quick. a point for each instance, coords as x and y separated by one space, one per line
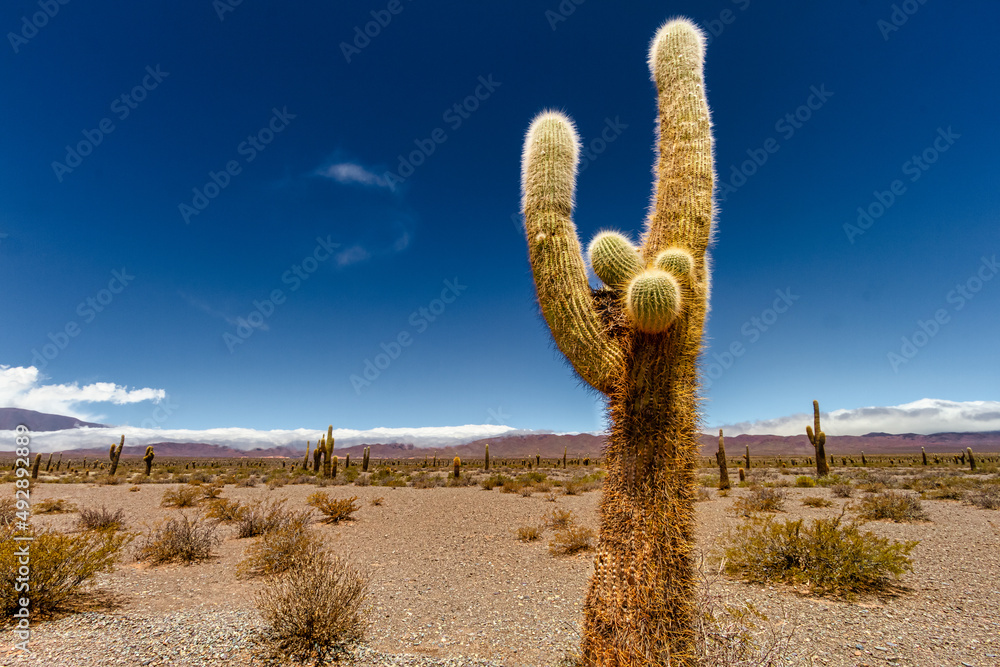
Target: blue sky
234 153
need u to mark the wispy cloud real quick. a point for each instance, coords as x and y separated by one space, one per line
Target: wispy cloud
24 387
927 415
352 255
352 173
208 309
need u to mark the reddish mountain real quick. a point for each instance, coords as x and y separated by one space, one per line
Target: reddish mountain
11 418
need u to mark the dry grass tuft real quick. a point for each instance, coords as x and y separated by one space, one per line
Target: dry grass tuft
279 549
816 501
185 496
225 510
761 499
53 506
316 608
559 519
571 540
529 533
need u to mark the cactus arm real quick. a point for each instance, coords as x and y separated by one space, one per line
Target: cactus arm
551 153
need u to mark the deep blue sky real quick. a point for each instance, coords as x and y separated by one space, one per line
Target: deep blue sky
893 94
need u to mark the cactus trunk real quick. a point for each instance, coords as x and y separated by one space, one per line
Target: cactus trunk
746 457
305 461
34 468
333 467
720 457
117 455
458 467
486 459
923 455
972 459
148 459
637 341
364 460
818 440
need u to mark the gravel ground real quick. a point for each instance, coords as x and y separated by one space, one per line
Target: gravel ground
453 586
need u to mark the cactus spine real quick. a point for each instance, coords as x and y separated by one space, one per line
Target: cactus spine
458 466
972 459
116 456
818 440
638 343
486 459
148 459
34 468
720 457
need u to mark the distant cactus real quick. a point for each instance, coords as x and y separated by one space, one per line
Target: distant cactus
538 460
48 463
59 462
435 465
458 466
318 455
564 458
148 459
743 475
746 457
328 453
34 468
486 459
720 457
972 459
586 461
863 461
923 455
364 460
818 440
115 458
305 461
333 467
347 462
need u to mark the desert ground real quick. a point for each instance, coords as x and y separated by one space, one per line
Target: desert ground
451 583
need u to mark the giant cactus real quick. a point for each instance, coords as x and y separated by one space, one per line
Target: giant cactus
148 459
720 458
636 340
818 440
116 456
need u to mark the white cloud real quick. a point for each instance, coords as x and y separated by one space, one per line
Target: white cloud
246 438
350 173
928 415
352 255
23 387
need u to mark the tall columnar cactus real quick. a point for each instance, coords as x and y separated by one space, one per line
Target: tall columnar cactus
923 455
818 440
720 457
564 458
59 462
48 463
328 453
972 459
34 468
333 467
318 455
746 458
148 459
347 462
305 461
486 459
863 461
458 466
637 341
364 461
117 455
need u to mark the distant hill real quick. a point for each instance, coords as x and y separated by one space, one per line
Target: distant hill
10 418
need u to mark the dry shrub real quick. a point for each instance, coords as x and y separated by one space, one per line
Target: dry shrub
816 501
829 557
247 482
102 519
53 506
559 519
60 564
511 486
377 501
261 516
133 488
184 496
987 498
896 506
212 491
761 499
183 540
8 511
316 608
735 635
225 510
703 494
334 510
277 549
570 540
529 533
842 490
427 481
526 491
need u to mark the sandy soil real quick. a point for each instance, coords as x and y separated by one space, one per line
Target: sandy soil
451 580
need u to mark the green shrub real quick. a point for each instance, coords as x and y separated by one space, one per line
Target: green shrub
829 557
493 481
893 505
315 609
60 566
805 482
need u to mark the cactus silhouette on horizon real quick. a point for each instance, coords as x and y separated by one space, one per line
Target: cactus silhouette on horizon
818 440
637 341
720 457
